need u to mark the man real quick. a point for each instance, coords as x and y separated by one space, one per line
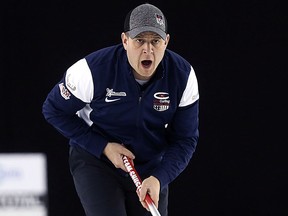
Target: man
136 99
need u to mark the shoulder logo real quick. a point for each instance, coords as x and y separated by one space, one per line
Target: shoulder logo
161 101
70 84
110 93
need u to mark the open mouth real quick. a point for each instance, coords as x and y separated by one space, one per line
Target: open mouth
146 63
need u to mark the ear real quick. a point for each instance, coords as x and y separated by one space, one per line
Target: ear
167 39
124 39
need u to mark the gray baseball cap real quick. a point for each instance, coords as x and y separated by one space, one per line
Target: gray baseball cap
145 17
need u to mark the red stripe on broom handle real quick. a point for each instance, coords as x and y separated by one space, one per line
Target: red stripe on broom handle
138 182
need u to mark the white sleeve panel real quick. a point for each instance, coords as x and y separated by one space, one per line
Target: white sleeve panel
85 114
79 81
191 93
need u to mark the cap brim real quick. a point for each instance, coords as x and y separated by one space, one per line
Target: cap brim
134 32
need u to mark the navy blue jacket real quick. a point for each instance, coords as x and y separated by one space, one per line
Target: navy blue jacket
99 101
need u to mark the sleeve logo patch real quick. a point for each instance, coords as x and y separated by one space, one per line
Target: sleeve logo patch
64 92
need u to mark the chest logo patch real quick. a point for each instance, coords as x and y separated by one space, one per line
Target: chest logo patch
161 101
110 93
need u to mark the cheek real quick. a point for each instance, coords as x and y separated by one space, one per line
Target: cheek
131 58
159 57
133 54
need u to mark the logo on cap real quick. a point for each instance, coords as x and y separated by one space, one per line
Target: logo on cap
159 19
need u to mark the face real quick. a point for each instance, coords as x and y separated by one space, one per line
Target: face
144 53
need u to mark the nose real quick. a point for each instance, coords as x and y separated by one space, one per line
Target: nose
148 48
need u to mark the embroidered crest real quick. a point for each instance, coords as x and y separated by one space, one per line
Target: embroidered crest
161 101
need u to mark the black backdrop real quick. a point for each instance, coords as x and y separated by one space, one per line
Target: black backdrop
239 52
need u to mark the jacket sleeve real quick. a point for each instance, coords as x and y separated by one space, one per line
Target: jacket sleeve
66 100
182 134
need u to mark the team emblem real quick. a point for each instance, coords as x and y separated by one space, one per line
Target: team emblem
161 101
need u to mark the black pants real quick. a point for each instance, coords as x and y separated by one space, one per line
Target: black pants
103 191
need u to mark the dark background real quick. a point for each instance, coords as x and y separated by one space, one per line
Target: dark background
239 52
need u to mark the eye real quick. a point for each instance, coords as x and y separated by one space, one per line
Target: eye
155 41
139 40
